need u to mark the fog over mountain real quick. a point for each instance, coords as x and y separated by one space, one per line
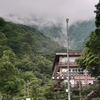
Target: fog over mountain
49 10
48 16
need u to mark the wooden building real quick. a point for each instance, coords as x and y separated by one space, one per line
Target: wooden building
77 75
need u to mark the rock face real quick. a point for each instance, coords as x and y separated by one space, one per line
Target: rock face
92 94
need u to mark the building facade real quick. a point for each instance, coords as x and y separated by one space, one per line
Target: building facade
77 75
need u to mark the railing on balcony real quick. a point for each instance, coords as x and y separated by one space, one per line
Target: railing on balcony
75 53
65 64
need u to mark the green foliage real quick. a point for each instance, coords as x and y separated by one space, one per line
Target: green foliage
25 64
79 34
75 97
2 22
86 90
28 75
9 80
25 58
23 39
52 94
96 99
97 22
90 58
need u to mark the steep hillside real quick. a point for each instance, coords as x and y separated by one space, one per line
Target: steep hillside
25 61
78 33
34 51
23 39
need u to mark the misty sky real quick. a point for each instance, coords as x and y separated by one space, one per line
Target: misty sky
50 10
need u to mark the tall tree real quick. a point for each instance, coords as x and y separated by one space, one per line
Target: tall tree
97 11
9 80
90 58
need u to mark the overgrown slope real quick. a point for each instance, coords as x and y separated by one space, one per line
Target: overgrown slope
27 52
79 34
23 39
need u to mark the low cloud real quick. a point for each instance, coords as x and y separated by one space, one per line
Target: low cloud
23 11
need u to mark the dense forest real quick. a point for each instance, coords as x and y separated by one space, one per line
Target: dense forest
26 58
79 33
90 58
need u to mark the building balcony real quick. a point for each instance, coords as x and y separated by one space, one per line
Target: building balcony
64 64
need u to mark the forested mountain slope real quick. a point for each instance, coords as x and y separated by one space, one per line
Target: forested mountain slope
33 49
23 39
78 33
26 56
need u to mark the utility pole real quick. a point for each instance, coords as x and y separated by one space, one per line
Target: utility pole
67 20
79 86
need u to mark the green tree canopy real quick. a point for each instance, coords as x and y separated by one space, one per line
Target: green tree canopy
9 80
90 58
97 21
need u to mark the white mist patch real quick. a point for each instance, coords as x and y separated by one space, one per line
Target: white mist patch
49 10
